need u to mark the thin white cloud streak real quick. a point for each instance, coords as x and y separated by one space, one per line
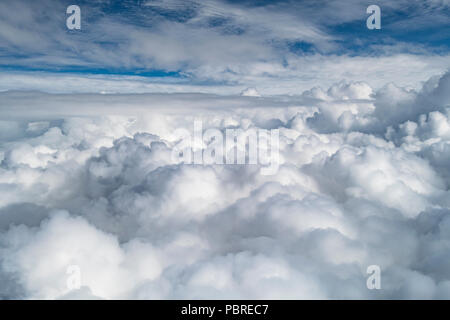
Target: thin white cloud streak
269 78
259 20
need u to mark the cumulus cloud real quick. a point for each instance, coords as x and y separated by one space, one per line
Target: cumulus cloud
250 92
89 180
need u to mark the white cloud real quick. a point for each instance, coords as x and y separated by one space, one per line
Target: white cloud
270 77
228 47
88 180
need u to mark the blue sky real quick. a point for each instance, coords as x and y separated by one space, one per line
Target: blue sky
215 42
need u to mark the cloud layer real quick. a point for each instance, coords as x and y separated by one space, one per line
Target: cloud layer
280 47
88 180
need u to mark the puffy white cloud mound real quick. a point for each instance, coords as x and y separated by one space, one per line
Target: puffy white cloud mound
250 92
90 181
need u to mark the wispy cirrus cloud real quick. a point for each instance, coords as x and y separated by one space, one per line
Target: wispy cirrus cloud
218 42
